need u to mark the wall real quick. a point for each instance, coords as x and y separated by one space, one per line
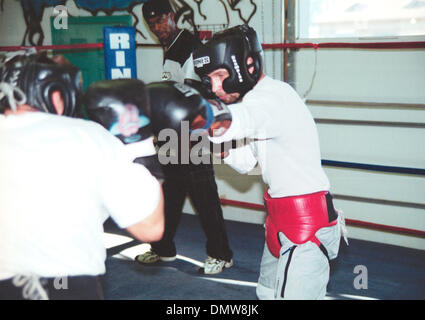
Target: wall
392 76
394 139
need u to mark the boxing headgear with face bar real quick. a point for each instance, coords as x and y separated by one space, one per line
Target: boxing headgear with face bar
230 49
32 78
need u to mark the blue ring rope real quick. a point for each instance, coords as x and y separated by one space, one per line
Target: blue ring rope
374 167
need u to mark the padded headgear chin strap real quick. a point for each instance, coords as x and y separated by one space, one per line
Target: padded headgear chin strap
37 77
230 49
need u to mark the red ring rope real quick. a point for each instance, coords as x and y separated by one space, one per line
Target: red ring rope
55 47
357 45
365 45
349 222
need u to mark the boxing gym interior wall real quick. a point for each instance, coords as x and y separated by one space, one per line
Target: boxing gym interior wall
367 97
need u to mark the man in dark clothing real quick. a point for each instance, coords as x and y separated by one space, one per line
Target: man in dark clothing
181 179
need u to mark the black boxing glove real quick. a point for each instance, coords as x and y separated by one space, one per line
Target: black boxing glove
122 107
204 89
172 103
215 121
222 115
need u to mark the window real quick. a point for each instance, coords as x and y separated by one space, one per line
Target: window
360 18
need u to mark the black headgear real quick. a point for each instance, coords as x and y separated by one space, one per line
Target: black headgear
37 77
155 8
230 49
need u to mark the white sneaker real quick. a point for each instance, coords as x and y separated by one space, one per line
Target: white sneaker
151 257
214 266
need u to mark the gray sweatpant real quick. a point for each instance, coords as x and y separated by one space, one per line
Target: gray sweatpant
302 271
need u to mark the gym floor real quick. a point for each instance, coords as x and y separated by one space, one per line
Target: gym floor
363 271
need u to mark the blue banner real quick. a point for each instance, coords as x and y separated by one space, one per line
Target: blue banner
120 52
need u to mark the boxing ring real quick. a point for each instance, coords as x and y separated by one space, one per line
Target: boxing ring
418 172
